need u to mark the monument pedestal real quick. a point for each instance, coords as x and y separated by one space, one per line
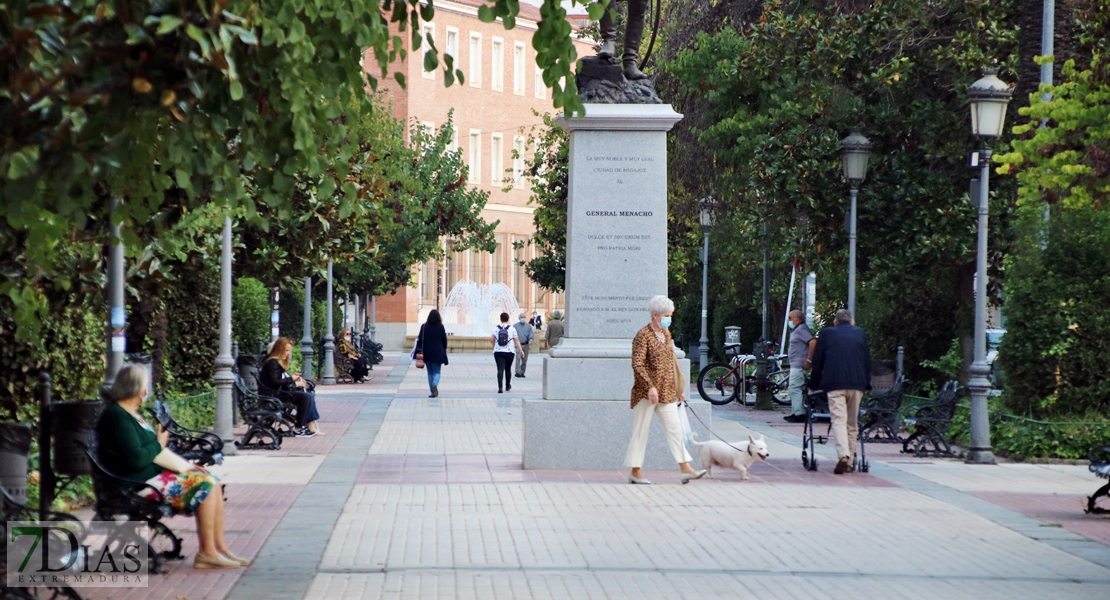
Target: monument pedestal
616 262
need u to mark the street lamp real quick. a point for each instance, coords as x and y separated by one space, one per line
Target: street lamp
989 98
708 208
856 152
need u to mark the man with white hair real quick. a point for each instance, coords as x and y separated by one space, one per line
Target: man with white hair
842 368
525 333
554 331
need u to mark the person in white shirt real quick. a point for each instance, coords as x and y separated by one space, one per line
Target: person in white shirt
506 345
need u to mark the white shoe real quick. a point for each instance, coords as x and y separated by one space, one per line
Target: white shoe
686 477
638 480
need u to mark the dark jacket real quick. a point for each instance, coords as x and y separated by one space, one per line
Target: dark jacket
841 360
272 376
433 343
125 446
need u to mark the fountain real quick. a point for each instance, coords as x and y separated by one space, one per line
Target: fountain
474 309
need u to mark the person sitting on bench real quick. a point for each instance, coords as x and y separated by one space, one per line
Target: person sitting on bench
132 448
359 365
289 387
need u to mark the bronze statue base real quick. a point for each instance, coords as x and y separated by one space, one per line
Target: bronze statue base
602 81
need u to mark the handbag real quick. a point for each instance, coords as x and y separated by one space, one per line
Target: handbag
417 349
680 389
419 361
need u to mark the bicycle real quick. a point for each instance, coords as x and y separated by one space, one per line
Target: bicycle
720 383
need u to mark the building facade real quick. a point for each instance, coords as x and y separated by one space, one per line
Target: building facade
492 116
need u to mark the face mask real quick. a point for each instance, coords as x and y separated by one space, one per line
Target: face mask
665 322
790 325
521 321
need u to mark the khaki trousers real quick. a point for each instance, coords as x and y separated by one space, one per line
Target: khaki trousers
641 427
522 363
844 411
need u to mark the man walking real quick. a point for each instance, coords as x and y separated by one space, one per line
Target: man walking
554 331
525 334
802 343
842 368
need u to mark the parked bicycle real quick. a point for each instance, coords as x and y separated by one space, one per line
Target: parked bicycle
720 383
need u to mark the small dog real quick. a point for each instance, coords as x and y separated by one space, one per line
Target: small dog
739 455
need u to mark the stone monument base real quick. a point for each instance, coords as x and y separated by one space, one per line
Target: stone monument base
594 434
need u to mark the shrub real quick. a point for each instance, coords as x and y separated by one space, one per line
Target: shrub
193 313
250 313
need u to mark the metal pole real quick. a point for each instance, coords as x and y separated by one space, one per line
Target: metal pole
373 318
329 339
979 451
225 379
763 384
1048 33
117 310
703 343
275 315
852 255
306 338
46 466
898 362
789 301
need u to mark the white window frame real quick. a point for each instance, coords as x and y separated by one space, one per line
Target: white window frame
497 65
452 46
541 89
520 146
474 152
453 145
427 28
428 128
475 74
496 160
520 64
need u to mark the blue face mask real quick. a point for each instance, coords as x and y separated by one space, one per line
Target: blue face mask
665 322
522 321
790 325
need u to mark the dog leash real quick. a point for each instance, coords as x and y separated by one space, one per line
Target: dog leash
687 405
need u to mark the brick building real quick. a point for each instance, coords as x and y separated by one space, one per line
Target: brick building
492 115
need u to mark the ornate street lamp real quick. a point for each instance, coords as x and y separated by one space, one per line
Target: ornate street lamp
989 98
855 154
708 209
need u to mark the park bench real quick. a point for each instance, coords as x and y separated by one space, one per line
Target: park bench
930 423
13 510
198 447
264 417
880 414
116 497
1100 465
343 366
288 409
370 349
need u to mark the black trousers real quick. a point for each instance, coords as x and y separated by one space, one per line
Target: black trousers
303 402
504 367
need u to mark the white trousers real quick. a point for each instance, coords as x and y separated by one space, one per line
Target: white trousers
641 427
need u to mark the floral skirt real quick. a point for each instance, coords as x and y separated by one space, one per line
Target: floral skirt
183 492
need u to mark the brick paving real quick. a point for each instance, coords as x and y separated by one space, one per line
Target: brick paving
434 503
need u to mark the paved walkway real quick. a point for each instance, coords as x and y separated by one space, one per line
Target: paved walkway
407 496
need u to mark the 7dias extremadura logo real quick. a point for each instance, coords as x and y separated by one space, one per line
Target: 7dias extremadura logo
72 554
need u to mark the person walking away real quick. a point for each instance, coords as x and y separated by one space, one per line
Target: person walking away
802 343
655 391
506 345
842 368
525 334
432 343
554 331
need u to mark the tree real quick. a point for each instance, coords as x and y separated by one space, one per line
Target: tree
547 171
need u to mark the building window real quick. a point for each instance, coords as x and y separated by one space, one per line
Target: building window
520 276
518 68
451 269
557 302
518 161
426 44
497 270
541 89
497 65
474 257
428 282
475 156
475 60
497 168
429 129
453 145
452 48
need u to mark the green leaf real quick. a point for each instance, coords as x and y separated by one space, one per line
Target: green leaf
236 89
485 14
400 77
167 24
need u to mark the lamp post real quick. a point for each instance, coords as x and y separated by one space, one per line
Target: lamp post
856 151
225 379
708 208
306 336
989 97
117 309
329 339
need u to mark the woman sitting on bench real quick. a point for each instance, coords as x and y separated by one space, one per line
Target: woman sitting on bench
130 447
289 387
359 368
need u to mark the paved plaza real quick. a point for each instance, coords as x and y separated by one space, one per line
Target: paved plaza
411 497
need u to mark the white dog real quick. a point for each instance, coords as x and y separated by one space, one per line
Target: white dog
738 455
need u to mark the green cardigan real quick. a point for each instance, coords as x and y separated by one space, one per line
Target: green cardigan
125 446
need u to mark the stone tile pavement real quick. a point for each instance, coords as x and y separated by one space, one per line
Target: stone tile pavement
411 497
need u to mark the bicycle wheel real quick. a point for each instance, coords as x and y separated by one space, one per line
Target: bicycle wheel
780 386
717 383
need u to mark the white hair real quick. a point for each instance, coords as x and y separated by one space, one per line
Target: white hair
660 304
131 381
557 314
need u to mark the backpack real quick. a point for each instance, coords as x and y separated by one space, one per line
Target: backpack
503 335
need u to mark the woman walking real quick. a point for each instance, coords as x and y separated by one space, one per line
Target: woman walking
432 343
506 345
655 391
